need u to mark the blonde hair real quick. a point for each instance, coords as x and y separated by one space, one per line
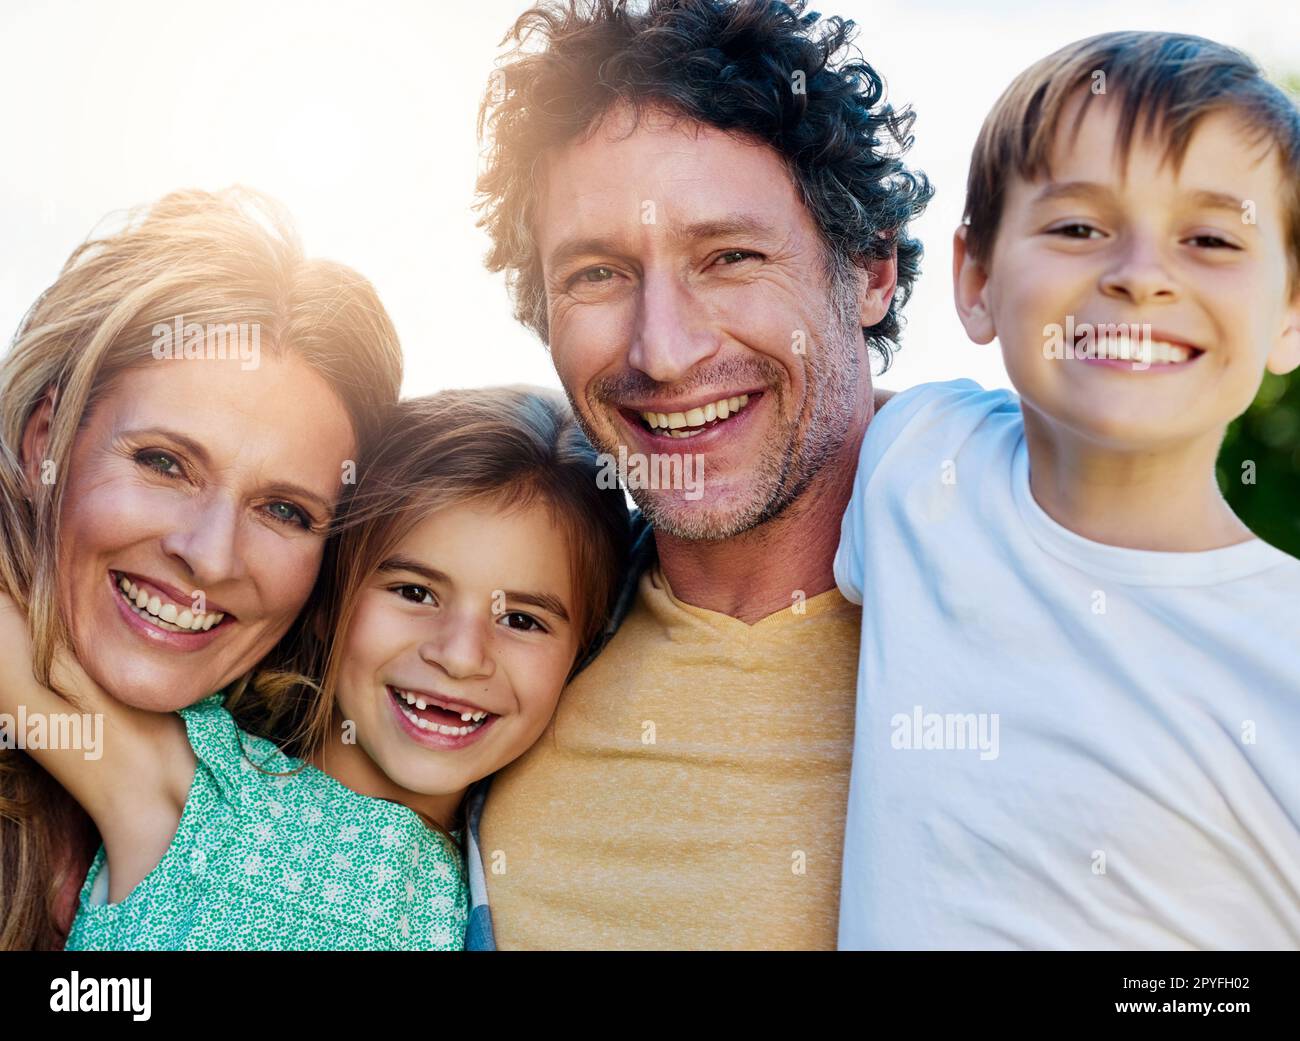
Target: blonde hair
232 256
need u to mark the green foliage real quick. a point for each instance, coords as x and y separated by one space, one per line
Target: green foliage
1264 444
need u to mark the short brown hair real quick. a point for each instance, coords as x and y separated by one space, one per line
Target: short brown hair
1166 83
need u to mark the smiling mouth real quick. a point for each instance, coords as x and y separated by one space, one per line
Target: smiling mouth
1138 350
693 421
421 710
163 614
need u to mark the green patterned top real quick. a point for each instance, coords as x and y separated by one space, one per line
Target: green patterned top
296 862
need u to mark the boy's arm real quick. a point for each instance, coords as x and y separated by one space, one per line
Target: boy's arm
129 762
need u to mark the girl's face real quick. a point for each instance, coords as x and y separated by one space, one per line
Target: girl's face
461 642
190 531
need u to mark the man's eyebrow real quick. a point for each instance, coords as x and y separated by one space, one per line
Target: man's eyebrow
545 601
200 454
735 224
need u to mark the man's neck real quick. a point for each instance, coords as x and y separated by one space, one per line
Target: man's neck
1162 499
763 570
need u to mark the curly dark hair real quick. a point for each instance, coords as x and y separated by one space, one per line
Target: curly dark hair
732 64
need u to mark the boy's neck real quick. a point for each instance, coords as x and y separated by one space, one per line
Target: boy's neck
1166 499
349 764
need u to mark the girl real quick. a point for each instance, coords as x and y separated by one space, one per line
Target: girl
479 561
206 469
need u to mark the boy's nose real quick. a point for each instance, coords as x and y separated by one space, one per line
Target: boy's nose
1140 276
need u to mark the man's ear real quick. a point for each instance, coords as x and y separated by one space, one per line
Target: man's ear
876 287
36 438
1285 355
969 280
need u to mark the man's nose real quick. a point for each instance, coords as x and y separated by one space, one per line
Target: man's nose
206 540
672 334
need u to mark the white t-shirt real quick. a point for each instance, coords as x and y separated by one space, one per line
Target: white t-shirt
1059 743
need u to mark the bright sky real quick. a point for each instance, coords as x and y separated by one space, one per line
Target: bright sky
361 117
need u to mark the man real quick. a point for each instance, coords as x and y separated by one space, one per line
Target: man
704 217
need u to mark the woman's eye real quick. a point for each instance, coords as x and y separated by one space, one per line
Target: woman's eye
288 513
581 276
161 462
522 622
415 594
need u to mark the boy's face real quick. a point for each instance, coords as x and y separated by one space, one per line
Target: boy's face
1194 257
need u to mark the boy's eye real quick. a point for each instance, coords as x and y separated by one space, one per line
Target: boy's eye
1076 230
522 622
415 594
159 461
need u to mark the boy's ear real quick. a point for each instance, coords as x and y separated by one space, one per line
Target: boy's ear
36 438
969 280
1285 355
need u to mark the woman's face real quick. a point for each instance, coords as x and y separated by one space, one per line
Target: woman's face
192 523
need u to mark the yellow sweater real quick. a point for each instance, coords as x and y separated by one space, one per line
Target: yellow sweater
690 791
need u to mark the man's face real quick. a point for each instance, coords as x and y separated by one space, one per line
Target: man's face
690 313
1196 254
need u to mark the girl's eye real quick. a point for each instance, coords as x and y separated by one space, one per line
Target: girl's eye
415 594
522 622
288 513
1212 242
160 462
1076 231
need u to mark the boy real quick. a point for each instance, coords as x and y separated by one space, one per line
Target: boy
1079 679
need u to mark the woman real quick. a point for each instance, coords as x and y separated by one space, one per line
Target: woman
165 497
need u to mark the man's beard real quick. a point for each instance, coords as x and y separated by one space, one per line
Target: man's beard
792 457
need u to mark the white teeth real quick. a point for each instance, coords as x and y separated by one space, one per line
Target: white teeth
166 616
425 724
1125 348
686 424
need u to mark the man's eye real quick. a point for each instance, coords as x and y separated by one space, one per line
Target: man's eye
741 254
522 622
159 461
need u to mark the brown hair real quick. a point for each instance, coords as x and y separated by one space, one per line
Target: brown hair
227 257
732 65
511 447
1165 83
